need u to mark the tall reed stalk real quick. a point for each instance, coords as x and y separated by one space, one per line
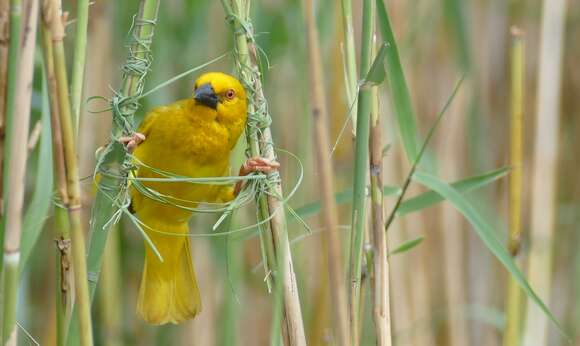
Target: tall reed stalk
55 19
261 144
64 294
380 261
544 202
360 173
17 137
332 242
514 302
4 43
13 61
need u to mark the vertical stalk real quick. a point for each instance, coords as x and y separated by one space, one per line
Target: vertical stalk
64 294
544 202
80 55
13 62
261 144
55 20
511 335
18 123
4 43
334 258
114 155
380 268
360 172
349 57
58 151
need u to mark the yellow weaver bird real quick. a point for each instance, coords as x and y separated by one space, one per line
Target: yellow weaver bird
191 138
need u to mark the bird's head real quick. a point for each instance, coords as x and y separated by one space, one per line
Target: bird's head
223 94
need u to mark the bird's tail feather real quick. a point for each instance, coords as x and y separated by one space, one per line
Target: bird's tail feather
169 292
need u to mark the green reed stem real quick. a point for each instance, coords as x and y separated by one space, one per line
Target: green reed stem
360 172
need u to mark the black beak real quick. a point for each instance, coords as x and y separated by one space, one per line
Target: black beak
206 96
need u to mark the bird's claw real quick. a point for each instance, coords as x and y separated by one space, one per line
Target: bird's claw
255 164
259 164
131 142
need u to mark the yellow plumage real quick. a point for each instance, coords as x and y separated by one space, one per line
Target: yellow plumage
191 138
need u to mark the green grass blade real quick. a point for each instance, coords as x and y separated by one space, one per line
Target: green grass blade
416 203
398 86
430 198
342 197
485 231
41 199
407 245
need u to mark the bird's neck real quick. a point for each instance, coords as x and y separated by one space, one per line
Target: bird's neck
199 111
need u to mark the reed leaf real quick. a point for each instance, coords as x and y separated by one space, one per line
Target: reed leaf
406 246
487 234
430 198
398 86
39 205
413 204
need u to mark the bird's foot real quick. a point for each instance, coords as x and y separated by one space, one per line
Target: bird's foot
255 164
258 164
131 142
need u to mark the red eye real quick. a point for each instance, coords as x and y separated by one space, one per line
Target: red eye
230 94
